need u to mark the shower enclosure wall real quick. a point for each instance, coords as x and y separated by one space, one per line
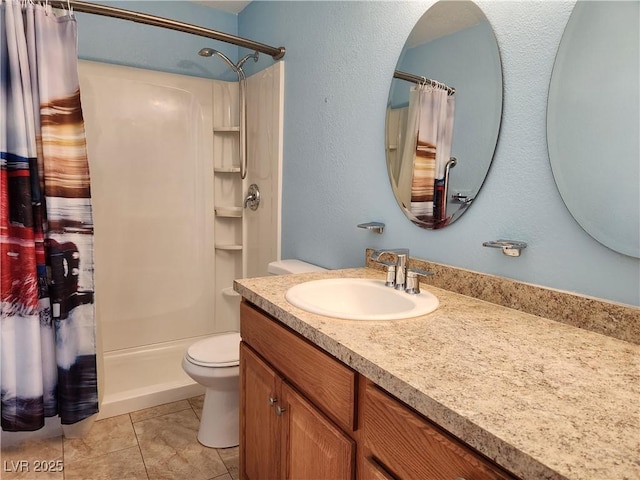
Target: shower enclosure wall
170 230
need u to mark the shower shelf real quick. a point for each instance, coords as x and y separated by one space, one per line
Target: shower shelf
226 129
229 247
232 169
230 292
230 212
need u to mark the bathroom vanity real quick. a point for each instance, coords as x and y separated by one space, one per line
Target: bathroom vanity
473 390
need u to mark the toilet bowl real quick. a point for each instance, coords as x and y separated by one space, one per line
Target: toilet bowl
215 363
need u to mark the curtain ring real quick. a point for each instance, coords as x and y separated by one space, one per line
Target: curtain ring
433 85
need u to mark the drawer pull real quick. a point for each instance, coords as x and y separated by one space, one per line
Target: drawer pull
280 410
273 401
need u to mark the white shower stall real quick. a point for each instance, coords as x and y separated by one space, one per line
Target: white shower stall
171 233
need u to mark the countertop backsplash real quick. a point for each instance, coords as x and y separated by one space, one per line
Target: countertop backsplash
607 318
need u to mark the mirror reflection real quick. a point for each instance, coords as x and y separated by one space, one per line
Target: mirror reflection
443 113
593 122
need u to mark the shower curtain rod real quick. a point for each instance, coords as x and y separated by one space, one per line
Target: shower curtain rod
84 7
409 77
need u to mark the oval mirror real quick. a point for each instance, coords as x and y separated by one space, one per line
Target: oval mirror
443 113
593 122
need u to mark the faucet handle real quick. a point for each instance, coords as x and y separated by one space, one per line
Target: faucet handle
425 273
391 276
412 285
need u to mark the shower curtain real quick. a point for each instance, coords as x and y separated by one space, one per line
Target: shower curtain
47 320
408 148
432 152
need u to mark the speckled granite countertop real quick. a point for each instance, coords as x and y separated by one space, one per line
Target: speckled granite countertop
543 399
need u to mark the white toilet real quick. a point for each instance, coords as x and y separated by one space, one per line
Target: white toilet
214 363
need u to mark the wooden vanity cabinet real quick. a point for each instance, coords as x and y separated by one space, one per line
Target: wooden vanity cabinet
298 418
287 429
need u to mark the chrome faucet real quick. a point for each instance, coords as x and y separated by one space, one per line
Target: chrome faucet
399 275
396 274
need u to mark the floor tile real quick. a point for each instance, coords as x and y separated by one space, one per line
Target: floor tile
33 459
171 451
106 436
224 476
196 404
158 443
148 413
231 459
123 464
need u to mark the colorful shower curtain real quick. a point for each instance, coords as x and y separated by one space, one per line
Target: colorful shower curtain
432 152
47 319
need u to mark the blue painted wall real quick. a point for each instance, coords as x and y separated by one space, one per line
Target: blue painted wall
122 42
340 59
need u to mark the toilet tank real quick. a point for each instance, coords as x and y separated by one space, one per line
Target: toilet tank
284 267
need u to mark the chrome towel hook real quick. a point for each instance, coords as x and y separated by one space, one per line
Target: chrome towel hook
376 227
510 248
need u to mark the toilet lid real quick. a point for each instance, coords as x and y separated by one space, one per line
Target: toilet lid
222 350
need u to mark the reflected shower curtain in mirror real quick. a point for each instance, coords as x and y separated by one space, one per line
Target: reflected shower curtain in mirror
408 148
47 342
432 152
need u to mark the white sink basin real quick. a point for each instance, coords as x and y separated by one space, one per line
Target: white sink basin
359 299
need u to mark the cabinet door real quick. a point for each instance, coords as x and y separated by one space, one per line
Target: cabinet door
325 381
259 448
313 446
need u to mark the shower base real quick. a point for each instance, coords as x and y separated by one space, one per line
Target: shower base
144 377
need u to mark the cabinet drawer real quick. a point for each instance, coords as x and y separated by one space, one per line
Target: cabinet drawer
411 447
330 384
371 470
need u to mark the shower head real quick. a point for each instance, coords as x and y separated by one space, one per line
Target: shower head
208 52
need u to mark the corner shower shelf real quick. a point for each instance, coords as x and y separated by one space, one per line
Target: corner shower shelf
232 169
226 129
229 247
230 212
230 292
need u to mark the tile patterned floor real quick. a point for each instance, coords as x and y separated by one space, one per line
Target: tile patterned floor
157 443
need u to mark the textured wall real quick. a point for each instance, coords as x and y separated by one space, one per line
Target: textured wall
340 58
122 42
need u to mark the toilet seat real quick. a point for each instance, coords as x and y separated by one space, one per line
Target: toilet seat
217 351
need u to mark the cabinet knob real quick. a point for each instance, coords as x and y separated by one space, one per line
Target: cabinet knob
273 401
280 410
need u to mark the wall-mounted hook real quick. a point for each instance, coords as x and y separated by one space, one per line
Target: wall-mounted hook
375 227
509 247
